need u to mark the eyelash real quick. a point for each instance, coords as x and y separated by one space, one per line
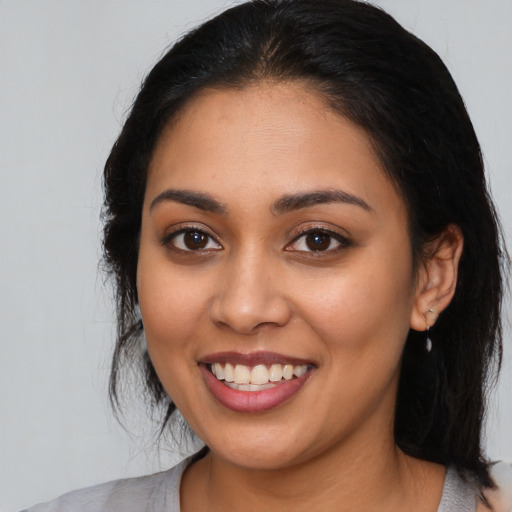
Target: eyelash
169 240
343 242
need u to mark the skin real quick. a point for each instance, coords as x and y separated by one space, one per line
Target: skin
258 286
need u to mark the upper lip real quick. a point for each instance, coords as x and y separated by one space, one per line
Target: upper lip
253 358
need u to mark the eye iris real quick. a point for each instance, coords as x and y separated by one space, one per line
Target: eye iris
318 241
195 240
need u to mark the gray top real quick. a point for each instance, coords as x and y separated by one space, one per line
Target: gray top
458 496
161 493
153 493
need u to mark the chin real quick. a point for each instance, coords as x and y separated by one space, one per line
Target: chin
256 448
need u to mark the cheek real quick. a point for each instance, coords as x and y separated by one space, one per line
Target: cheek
170 316
170 304
170 309
365 308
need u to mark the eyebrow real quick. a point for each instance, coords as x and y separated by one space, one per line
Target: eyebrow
298 201
285 204
198 200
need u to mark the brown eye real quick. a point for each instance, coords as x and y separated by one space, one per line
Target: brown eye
191 240
318 241
195 240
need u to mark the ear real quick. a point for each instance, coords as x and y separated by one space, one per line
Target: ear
437 277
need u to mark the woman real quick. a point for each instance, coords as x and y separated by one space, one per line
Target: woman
297 205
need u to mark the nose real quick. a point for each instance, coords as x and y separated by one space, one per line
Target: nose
249 297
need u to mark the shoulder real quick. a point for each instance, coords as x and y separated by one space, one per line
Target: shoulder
150 493
501 496
462 493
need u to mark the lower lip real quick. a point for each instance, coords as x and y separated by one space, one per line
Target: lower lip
252 401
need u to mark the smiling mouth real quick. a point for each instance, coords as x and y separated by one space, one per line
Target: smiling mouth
256 378
254 382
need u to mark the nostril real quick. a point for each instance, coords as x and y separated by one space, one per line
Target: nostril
248 316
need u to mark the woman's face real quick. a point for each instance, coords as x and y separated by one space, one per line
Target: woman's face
275 253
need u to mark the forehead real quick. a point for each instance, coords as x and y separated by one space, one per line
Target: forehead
274 138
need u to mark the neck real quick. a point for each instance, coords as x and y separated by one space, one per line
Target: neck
347 478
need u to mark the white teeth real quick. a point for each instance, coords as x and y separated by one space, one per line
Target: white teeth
250 387
259 374
288 371
242 374
276 373
299 371
228 373
218 371
258 377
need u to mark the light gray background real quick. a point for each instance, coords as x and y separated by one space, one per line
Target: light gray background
69 71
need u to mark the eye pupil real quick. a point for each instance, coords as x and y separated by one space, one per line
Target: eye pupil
195 240
318 241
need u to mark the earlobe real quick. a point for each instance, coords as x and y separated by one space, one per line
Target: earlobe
437 277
